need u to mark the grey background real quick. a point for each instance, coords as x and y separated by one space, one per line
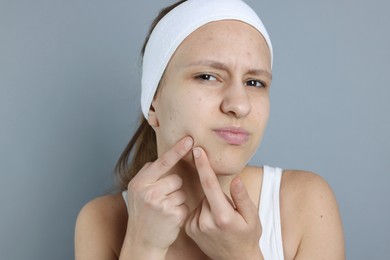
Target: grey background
69 90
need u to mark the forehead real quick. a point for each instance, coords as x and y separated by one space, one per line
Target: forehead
223 40
232 26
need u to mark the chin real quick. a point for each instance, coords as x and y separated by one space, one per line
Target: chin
230 168
229 160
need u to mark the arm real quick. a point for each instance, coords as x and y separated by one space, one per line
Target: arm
322 232
101 233
153 219
99 228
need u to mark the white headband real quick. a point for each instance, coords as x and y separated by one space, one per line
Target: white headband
180 22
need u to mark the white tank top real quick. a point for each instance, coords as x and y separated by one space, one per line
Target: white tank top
271 244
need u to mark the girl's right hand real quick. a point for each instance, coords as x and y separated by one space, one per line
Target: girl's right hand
156 203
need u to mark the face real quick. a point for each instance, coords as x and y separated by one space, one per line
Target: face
216 90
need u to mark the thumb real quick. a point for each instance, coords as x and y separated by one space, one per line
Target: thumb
241 199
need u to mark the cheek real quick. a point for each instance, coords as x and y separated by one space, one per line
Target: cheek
178 117
259 119
261 111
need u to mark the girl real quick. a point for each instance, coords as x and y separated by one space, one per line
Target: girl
187 192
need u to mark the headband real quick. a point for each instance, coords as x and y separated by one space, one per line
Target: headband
180 22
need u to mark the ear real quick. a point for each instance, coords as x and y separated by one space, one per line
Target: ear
152 116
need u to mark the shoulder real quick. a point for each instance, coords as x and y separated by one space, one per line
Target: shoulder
303 188
300 183
310 215
100 228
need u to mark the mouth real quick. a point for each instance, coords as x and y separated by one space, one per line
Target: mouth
233 135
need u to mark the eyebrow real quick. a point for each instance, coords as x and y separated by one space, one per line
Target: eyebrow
220 66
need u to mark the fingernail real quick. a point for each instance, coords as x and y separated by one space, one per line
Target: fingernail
188 143
196 152
239 184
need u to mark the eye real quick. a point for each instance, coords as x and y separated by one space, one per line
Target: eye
255 83
206 77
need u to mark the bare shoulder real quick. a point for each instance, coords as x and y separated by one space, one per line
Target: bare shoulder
300 183
311 223
100 228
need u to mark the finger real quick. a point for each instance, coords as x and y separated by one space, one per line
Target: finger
192 222
169 159
185 211
206 220
241 199
230 201
177 198
210 184
168 184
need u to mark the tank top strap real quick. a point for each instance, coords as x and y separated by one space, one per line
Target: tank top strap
271 243
124 195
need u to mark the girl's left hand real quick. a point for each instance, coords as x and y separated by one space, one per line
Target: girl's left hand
220 230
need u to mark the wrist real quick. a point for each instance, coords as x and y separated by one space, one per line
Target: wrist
257 255
133 250
137 253
252 255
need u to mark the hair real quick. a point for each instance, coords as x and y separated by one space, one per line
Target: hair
142 147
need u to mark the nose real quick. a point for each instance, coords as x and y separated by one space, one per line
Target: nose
236 101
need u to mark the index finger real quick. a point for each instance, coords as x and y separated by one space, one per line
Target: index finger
169 159
211 187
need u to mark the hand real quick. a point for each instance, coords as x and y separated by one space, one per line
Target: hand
220 230
156 203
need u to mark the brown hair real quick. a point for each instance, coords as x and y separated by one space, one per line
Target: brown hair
142 147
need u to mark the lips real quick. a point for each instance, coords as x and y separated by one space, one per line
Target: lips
233 135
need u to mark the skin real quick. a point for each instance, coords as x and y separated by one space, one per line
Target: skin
199 199
187 101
